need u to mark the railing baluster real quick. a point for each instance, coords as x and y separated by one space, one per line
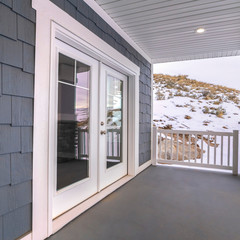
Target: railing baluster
235 152
208 150
165 146
228 150
155 146
84 143
177 146
79 142
201 149
215 149
160 146
221 150
196 147
118 144
183 148
112 143
108 140
87 147
189 147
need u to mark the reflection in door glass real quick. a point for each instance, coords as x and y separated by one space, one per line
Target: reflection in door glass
82 77
114 121
73 123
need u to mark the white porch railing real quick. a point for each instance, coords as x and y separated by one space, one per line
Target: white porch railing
196 148
113 143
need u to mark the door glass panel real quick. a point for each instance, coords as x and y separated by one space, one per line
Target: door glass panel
114 121
82 77
73 129
66 69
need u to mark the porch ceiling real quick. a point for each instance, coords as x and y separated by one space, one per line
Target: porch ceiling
166 29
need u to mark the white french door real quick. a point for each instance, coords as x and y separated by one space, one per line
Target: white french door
113 126
89 128
75 125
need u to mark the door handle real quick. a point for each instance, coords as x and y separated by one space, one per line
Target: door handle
103 132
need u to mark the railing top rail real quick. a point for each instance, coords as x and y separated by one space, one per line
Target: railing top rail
195 132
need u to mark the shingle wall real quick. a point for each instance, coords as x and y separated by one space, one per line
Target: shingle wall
17 40
79 10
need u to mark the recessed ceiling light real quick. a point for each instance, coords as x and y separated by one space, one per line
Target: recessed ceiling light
200 30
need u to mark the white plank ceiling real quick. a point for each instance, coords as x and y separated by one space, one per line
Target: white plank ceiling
166 29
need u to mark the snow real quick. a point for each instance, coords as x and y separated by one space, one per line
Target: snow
168 112
186 112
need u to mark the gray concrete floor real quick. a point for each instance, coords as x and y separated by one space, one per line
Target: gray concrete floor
164 203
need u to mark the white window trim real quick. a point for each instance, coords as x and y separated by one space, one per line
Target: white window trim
47 16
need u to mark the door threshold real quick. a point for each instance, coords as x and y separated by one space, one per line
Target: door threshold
68 216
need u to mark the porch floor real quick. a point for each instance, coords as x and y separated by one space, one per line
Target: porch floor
164 203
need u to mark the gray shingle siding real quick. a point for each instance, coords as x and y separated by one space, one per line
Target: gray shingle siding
16 82
14 197
1 228
9 139
7 2
5 107
26 139
79 10
21 167
23 8
17 222
11 52
26 30
0 80
5 176
28 58
17 46
9 17
22 111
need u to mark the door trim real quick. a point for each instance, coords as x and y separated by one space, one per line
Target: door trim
90 44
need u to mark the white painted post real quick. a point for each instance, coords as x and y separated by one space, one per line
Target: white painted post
155 147
235 152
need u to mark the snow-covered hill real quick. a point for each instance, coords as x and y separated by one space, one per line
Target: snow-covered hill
183 103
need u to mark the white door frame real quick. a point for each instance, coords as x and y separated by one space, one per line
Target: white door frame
52 22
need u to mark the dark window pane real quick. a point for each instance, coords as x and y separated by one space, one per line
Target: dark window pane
73 135
66 69
83 72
